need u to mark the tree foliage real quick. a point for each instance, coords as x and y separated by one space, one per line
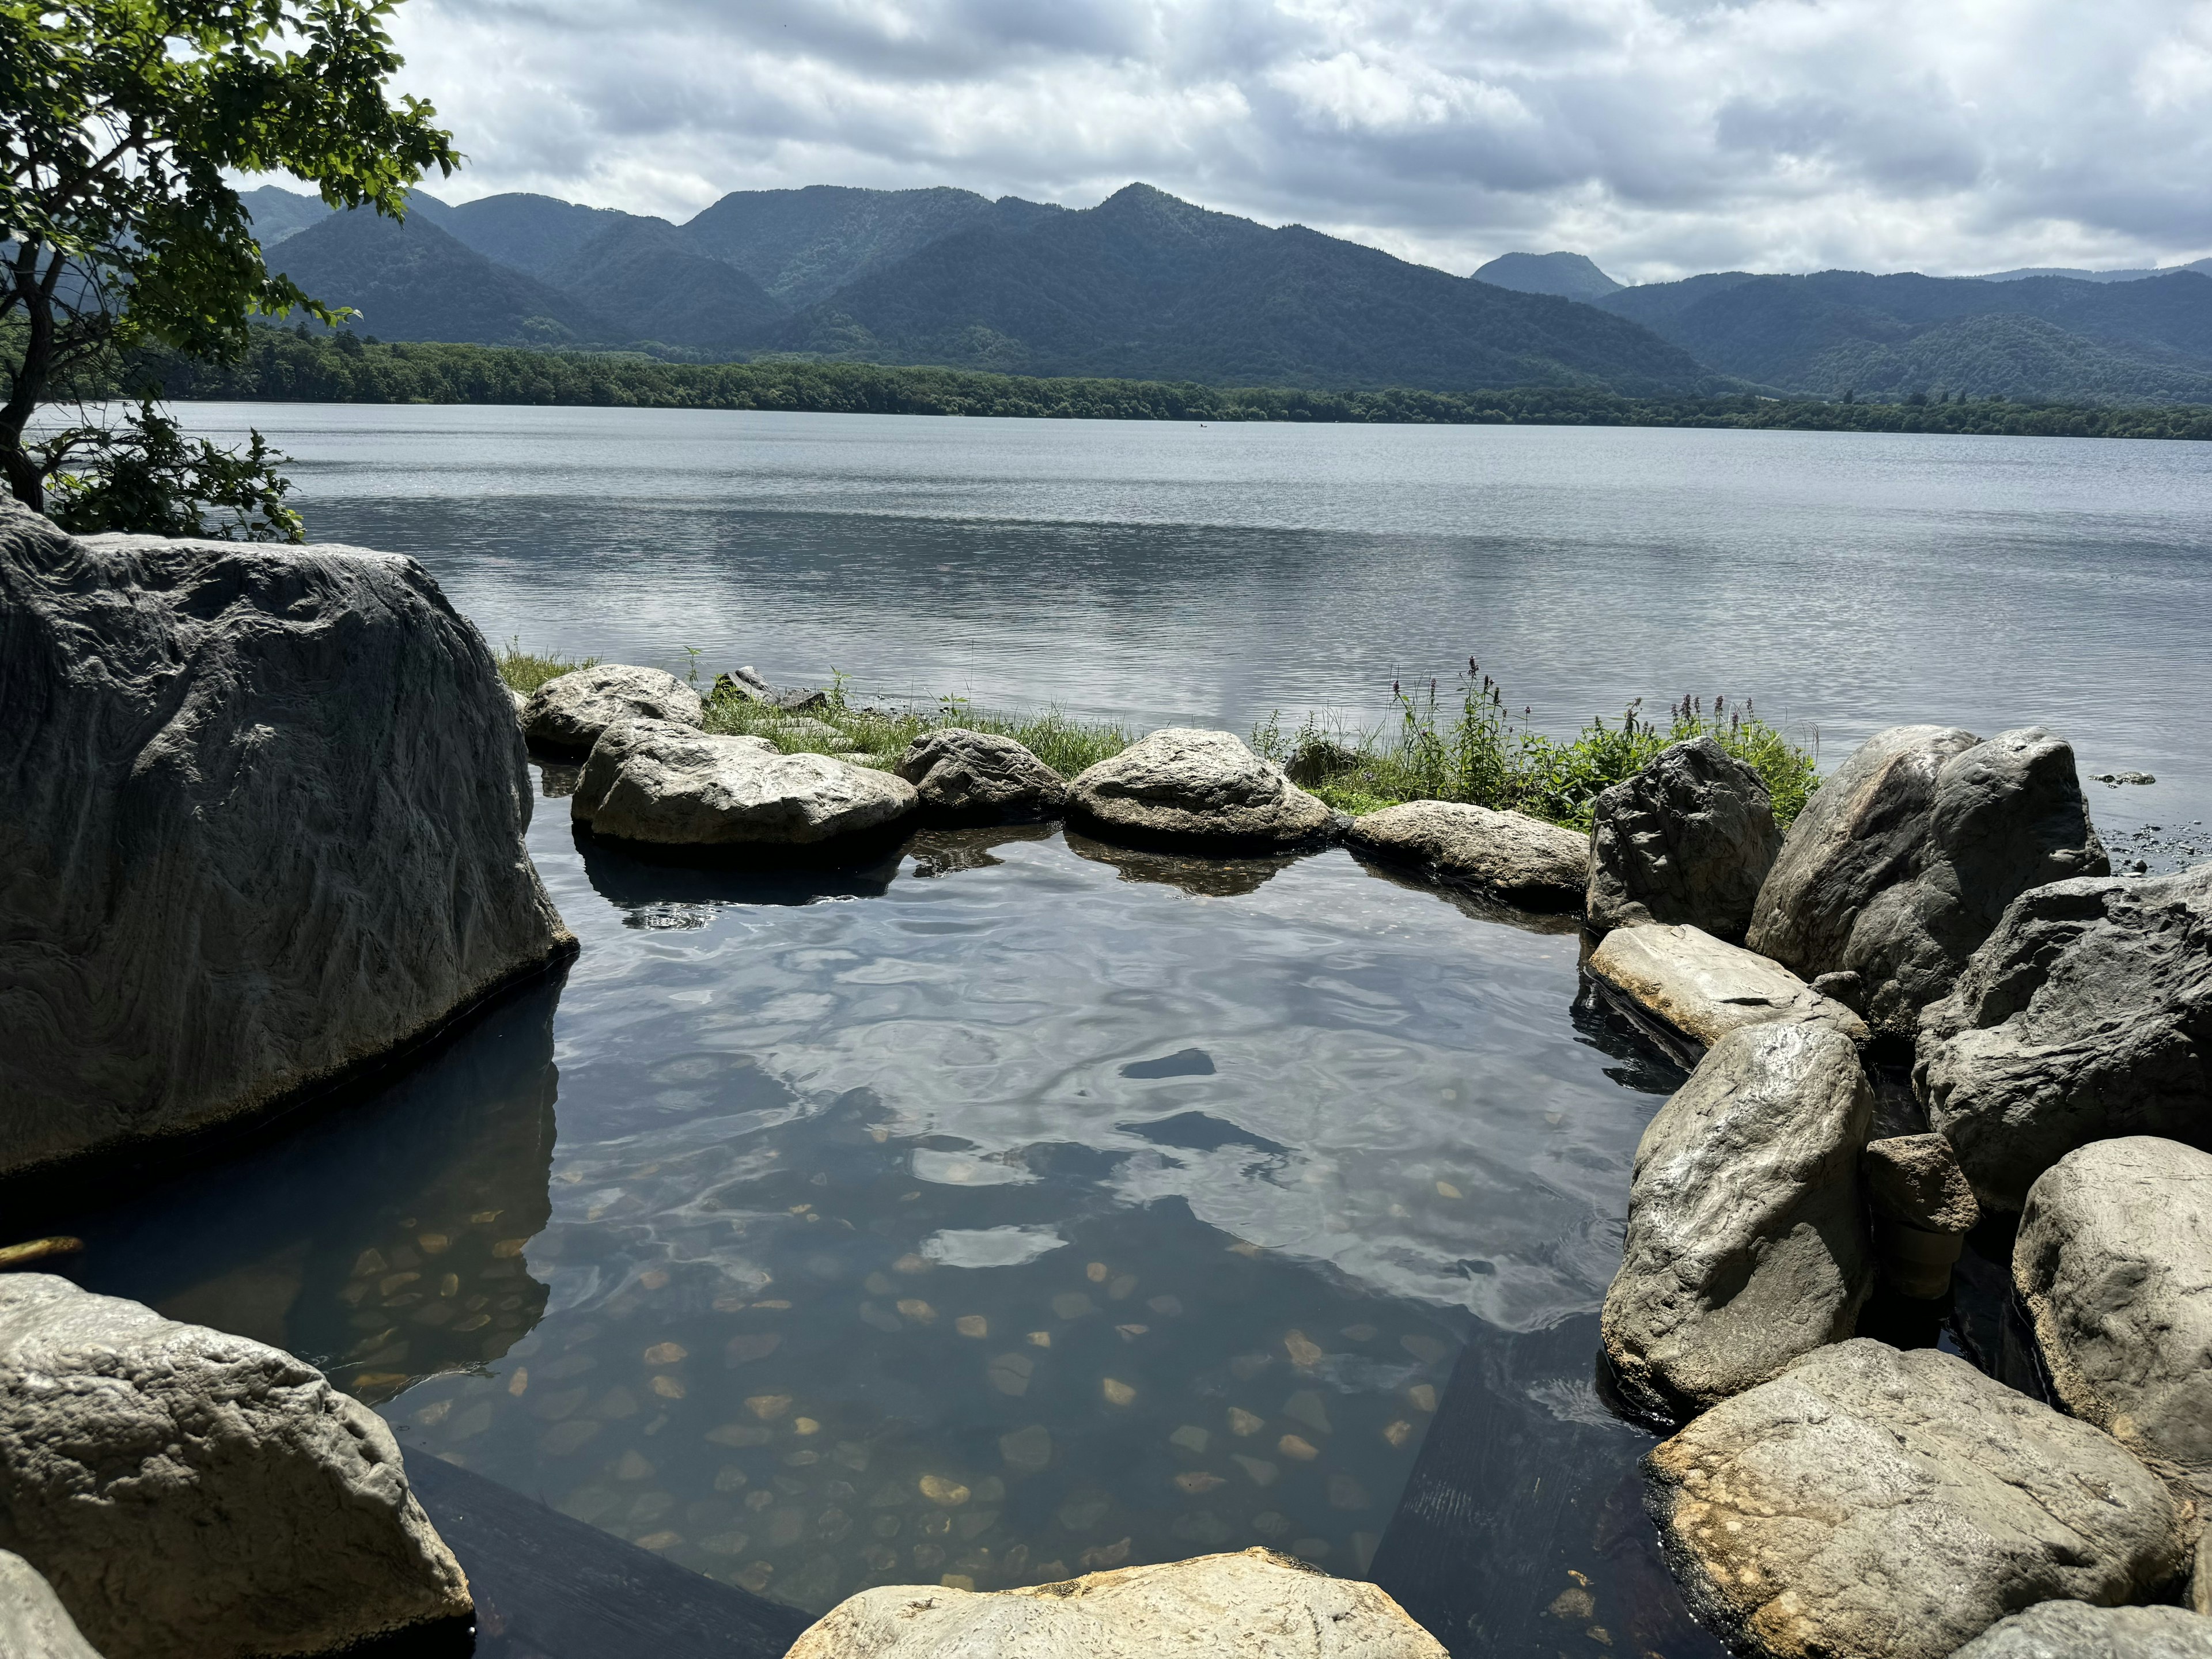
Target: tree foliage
119 120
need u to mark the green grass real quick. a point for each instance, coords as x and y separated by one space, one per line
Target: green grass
1478 752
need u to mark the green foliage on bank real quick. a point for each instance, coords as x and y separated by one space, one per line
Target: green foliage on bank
280 366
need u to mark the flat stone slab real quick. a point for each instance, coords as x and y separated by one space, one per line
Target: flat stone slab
1869 1502
1695 988
1524 860
1257 1605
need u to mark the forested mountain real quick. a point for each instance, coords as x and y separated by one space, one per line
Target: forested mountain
644 276
1569 276
533 233
804 245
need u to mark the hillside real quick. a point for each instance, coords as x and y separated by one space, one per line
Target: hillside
803 245
1569 276
533 233
643 276
1145 286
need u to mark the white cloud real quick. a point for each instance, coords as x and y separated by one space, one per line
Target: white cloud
1661 136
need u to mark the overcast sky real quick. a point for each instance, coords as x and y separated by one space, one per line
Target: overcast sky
1660 136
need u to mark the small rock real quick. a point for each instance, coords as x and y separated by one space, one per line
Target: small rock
1747 1243
2088 1014
1686 989
1257 1605
745 685
2120 778
568 714
33 1624
1922 1205
1524 860
2075 1629
1688 839
1197 788
978 777
187 1492
1869 1502
2113 1259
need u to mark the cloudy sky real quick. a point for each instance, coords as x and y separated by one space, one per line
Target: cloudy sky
1660 136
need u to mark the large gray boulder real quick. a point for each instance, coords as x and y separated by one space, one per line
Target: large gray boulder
1746 1242
1256 1605
979 777
2075 1629
1903 861
1524 860
1686 989
1895 1505
2113 1259
620 741
2086 1014
262 811
33 1624
696 791
189 1492
568 714
1688 839
1203 789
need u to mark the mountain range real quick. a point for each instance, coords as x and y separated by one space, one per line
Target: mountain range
1145 286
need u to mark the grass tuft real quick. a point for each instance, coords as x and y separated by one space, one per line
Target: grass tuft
525 671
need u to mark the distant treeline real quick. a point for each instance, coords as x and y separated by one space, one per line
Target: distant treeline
284 366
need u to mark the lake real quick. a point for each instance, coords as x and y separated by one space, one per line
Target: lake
1018 1205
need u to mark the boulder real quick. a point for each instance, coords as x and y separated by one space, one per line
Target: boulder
565 715
1904 860
264 810
33 1624
1524 860
189 1492
979 777
2086 1014
1746 1239
1922 1207
2113 1259
2075 1629
1201 789
1686 989
625 739
1688 839
1895 1505
1257 1605
697 791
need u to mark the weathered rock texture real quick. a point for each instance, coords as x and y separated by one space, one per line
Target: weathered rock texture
189 1492
1895 1505
688 789
567 714
1747 1242
1204 788
263 811
2114 1260
1688 839
2075 1629
979 777
1902 863
1687 989
33 1624
1522 859
2088 1014
1257 1605
1922 1207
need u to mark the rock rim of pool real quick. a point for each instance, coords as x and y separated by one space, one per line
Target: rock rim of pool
1685 990
1690 838
659 786
1205 791
1508 855
968 777
570 713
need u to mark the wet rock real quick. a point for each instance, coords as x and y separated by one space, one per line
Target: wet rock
1922 1207
187 1492
2113 1259
1904 860
33 1624
975 777
567 714
2086 1014
2075 1629
1869 1502
1524 860
1746 1242
697 791
1255 1605
264 810
1207 789
1688 839
1686 989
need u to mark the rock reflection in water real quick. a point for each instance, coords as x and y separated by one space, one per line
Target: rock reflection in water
1202 877
383 1241
658 895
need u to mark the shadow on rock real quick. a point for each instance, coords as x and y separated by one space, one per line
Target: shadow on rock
1205 878
654 891
384 1242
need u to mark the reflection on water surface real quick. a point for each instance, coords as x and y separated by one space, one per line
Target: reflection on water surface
1016 1208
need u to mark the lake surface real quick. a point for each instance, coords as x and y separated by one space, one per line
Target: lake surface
1020 1206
